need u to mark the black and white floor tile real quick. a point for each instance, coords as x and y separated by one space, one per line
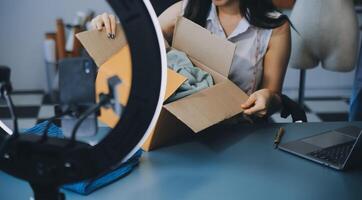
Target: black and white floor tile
33 108
324 109
27 109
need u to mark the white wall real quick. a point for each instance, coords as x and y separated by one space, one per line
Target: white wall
23 24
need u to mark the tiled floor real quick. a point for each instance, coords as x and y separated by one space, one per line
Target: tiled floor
27 109
322 109
30 108
33 108
327 106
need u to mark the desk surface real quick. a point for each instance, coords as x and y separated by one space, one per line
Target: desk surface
226 163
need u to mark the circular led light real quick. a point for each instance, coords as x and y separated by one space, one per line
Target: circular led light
149 65
53 161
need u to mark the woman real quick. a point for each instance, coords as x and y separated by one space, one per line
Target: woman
261 35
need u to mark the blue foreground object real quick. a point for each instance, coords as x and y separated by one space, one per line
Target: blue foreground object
88 186
355 108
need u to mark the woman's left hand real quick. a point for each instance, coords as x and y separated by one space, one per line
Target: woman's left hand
259 103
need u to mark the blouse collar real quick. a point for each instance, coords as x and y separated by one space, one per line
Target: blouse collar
242 27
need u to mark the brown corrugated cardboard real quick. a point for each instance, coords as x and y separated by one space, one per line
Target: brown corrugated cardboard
113 58
208 107
168 130
107 70
174 81
213 51
99 47
203 109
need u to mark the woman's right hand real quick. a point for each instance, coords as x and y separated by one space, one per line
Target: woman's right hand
108 21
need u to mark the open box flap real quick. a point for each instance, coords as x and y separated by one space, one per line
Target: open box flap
200 44
210 106
102 49
174 81
99 46
119 65
169 130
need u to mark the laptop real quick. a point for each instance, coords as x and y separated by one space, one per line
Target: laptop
339 149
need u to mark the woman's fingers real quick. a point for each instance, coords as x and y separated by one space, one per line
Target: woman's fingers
259 109
261 113
250 102
112 19
106 21
93 24
97 24
251 110
255 111
107 24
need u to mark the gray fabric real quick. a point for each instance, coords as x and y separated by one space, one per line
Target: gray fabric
197 79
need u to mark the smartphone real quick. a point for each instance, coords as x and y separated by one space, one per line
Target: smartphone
77 88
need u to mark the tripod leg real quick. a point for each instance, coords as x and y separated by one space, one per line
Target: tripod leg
46 192
301 92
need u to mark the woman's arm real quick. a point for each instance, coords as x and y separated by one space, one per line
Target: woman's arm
168 20
276 59
267 100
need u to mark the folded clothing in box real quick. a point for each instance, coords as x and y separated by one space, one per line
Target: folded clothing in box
88 186
197 79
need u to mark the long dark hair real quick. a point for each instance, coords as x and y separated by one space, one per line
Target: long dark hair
255 11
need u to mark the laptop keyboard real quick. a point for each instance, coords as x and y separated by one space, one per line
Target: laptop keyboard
335 154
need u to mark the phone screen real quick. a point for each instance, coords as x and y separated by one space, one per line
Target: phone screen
77 88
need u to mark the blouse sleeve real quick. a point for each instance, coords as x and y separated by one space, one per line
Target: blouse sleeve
184 4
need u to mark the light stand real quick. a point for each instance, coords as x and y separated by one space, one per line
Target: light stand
51 190
5 90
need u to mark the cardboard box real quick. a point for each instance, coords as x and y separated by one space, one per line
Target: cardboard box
113 58
194 113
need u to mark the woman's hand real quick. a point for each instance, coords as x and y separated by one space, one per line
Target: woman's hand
108 21
260 103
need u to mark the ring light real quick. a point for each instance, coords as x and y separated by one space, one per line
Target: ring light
48 164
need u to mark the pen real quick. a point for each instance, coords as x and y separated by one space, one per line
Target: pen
278 137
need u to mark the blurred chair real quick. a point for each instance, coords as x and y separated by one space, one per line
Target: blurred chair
293 109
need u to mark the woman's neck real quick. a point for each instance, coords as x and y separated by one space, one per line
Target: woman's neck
229 16
232 8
